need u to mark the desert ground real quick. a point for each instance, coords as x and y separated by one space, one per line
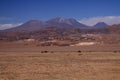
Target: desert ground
31 62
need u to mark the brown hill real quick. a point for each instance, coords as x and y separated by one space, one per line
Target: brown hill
54 35
114 29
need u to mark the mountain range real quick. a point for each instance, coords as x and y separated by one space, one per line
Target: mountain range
56 22
61 29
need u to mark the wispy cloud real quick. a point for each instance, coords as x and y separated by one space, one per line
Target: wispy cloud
107 19
7 26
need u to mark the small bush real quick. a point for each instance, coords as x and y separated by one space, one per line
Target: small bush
44 51
79 51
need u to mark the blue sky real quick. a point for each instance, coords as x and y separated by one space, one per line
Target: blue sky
20 11
15 11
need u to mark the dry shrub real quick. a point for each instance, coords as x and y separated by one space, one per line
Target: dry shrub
44 51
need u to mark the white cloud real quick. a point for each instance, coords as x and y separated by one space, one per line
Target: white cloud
107 19
7 26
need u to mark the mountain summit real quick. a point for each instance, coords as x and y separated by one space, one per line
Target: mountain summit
29 26
61 22
100 25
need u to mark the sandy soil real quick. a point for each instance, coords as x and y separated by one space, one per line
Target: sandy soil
29 61
59 66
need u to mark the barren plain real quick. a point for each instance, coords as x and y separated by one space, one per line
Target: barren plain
30 62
